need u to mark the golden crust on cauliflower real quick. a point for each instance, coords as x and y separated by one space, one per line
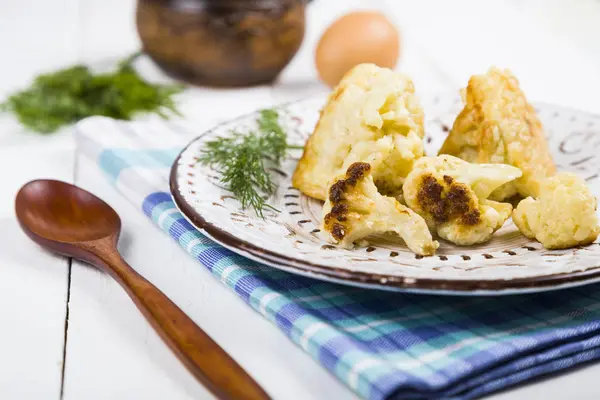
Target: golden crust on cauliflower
391 159
354 210
452 196
372 116
564 214
498 125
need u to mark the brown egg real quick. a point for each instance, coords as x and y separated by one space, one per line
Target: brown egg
356 38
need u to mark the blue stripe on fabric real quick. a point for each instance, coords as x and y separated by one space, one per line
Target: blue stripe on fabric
331 351
256 295
178 228
211 257
247 285
273 306
114 161
159 209
168 222
157 198
287 316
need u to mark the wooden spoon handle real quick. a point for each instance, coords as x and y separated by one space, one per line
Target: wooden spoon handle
205 359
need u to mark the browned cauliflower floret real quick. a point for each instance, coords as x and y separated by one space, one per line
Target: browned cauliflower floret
452 196
391 159
564 214
354 210
372 116
498 125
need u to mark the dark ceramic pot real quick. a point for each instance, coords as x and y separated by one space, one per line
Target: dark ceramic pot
221 42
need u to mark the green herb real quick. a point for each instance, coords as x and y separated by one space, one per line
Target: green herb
242 160
69 95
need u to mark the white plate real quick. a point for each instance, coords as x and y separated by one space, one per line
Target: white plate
290 240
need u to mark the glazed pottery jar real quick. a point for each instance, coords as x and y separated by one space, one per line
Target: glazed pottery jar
221 42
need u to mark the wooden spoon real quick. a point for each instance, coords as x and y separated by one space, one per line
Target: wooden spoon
70 221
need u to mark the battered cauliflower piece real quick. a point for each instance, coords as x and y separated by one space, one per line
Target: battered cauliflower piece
391 159
354 209
498 125
372 116
564 214
452 196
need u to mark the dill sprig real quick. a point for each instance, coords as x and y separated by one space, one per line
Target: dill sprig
66 96
242 160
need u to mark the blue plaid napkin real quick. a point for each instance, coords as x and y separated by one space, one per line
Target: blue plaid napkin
382 345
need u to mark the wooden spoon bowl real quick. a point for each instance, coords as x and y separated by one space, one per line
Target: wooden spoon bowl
70 221
55 216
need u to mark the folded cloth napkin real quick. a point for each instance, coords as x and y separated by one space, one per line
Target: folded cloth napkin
382 345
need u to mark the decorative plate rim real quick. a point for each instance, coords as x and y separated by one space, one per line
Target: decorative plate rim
540 283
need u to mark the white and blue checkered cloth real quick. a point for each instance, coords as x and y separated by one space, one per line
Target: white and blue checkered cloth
382 345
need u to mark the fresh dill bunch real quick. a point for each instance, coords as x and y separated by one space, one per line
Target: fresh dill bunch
66 96
242 160
274 138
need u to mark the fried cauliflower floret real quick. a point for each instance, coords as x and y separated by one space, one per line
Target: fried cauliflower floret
498 125
452 196
391 158
354 209
372 116
564 214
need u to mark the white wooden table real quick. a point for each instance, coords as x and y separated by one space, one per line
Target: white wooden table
68 331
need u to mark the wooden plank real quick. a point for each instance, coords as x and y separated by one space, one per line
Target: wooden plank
33 292
34 36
